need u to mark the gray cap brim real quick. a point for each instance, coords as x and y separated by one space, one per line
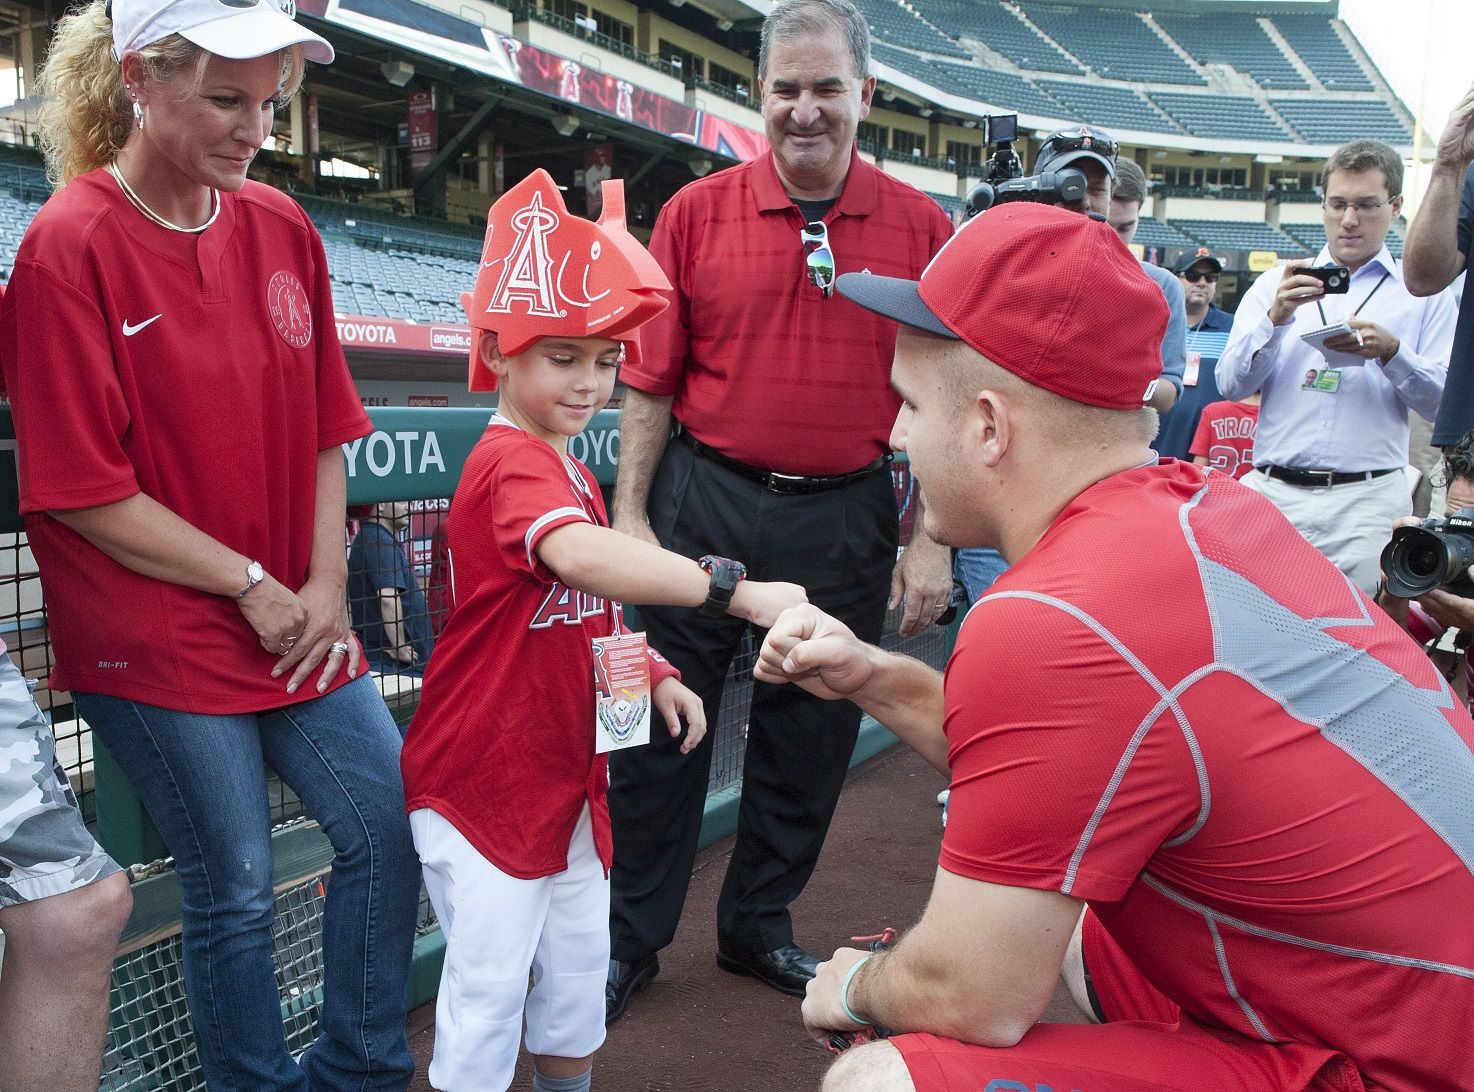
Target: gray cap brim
895 298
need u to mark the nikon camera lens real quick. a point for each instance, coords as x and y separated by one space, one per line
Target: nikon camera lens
1436 554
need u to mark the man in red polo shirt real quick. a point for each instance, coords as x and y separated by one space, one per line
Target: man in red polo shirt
778 391
1259 786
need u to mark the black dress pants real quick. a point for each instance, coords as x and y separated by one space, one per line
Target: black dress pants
841 547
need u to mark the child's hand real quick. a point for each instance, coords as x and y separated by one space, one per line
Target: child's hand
760 602
676 700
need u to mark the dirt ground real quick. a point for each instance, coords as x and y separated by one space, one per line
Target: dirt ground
697 1028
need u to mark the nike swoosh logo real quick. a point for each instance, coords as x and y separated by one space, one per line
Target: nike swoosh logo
129 329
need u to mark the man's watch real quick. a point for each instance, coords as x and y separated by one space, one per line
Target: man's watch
254 575
725 573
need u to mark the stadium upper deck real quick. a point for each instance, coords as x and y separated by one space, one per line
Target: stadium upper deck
434 106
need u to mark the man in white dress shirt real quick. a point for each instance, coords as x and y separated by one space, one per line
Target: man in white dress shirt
1333 429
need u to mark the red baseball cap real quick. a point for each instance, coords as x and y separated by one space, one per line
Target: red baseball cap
1051 295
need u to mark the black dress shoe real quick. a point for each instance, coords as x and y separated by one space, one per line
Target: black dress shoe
786 969
623 981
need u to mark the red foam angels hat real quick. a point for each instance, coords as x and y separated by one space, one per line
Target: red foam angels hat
1051 295
547 273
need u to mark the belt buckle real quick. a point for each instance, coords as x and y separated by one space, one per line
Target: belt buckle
787 485
1329 475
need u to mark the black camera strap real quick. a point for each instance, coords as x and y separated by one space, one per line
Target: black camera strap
1357 312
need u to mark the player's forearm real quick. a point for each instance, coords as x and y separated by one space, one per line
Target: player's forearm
141 534
391 613
613 565
905 695
644 429
330 508
913 989
1431 256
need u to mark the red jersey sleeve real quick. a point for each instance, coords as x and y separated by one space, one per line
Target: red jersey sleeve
340 413
69 409
1067 774
663 340
1202 438
533 495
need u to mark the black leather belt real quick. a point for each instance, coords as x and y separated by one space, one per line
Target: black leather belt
776 482
1321 479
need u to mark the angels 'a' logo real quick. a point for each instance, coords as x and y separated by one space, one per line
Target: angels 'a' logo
286 301
527 272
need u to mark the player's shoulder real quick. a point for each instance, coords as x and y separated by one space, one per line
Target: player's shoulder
898 197
274 206
64 231
714 191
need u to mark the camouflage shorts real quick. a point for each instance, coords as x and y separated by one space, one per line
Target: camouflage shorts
45 848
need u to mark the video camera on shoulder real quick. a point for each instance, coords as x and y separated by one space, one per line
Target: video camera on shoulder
1435 554
1004 179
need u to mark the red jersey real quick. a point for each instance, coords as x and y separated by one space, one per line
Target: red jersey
1260 784
762 366
1225 436
202 370
502 745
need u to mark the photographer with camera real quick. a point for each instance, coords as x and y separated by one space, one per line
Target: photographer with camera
1077 169
1413 559
1333 429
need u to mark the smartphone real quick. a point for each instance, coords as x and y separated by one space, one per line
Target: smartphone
1336 278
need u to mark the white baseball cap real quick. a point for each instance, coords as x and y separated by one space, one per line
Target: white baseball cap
234 29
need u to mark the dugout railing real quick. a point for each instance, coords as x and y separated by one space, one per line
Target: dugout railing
413 454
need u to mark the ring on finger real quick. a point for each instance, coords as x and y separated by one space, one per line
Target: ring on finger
340 647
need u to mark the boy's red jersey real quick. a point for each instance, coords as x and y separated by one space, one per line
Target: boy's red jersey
502 745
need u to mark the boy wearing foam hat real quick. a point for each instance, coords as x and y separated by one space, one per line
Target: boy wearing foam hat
506 793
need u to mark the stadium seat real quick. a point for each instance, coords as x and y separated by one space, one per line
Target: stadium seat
1223 116
1314 39
1115 44
1237 40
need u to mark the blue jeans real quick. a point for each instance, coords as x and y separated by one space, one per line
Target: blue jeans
977 567
201 778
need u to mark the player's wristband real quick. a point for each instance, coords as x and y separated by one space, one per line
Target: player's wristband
844 991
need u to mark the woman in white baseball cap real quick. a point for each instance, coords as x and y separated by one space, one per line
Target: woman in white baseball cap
180 402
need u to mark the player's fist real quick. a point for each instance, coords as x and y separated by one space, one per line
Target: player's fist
819 653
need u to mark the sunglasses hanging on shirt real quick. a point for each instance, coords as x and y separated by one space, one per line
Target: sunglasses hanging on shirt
818 257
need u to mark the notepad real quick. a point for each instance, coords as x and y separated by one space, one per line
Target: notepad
1335 358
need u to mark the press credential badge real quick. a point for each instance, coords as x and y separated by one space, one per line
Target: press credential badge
621 692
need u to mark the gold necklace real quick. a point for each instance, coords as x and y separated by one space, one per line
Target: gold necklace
137 203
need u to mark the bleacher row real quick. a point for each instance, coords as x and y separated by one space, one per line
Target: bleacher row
412 268
1293 59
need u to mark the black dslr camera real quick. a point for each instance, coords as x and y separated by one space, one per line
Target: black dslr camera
1435 554
1004 179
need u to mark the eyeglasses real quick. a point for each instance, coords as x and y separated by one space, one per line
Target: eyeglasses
818 258
1365 207
1193 276
1081 139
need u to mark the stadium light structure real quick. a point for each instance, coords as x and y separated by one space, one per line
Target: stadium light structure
700 165
563 124
397 73
724 25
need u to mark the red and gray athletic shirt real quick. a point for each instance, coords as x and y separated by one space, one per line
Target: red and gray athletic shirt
502 745
201 370
1175 708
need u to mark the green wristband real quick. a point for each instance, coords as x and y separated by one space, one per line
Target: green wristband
844 991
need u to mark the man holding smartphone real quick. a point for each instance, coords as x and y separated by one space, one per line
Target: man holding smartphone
1333 426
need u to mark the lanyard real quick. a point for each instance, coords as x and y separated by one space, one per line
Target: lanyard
1357 311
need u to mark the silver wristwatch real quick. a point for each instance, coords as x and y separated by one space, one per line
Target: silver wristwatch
254 575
